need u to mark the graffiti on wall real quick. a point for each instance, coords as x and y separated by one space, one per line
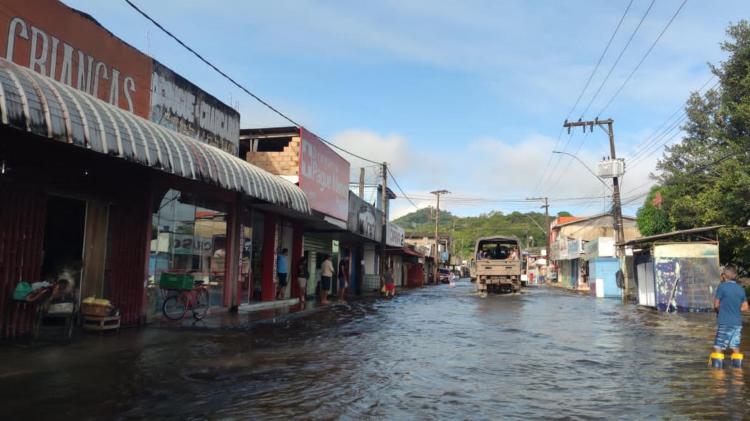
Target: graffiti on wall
685 283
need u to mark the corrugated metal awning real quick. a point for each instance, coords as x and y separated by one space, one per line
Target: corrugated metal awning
45 107
671 235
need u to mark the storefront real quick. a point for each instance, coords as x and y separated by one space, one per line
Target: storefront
317 246
302 158
111 200
365 228
395 254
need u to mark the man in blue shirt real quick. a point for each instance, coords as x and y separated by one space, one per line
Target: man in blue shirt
282 268
730 301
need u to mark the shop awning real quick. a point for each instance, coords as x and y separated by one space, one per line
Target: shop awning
45 107
405 250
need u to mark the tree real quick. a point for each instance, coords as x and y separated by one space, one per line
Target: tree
651 217
705 178
564 213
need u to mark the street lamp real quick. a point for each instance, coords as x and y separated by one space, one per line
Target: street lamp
586 166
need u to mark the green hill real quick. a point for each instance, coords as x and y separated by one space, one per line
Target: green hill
466 230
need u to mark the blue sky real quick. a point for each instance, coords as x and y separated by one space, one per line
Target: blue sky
467 95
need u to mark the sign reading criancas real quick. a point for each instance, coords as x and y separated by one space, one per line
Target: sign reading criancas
47 37
69 46
324 177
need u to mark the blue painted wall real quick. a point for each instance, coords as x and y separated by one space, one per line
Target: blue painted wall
605 268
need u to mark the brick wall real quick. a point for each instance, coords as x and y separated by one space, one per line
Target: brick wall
279 163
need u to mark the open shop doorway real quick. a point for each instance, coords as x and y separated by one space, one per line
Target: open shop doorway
64 228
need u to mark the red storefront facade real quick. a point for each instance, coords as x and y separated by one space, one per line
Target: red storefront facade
84 174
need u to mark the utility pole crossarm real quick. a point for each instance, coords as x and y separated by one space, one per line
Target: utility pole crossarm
587 123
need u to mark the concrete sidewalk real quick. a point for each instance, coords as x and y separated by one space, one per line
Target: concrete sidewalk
245 317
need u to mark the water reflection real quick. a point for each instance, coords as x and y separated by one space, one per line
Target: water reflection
433 353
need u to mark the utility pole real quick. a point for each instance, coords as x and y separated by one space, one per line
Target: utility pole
437 241
546 222
384 219
616 203
362 183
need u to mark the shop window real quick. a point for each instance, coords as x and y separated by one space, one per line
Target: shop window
188 237
256 257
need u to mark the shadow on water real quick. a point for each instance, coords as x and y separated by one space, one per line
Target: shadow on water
436 352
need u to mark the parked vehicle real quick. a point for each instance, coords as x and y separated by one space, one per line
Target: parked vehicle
444 275
498 264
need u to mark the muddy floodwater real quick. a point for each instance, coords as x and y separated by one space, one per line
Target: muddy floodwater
432 353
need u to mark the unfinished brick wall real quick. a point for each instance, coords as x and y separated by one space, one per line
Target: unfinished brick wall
279 163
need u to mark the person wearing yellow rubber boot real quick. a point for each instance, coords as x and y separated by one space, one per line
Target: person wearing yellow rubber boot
729 302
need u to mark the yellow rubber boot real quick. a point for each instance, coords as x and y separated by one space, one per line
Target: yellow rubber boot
737 360
717 360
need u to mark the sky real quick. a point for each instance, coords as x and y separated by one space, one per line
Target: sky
463 95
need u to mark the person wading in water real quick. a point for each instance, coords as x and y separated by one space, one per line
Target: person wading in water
729 302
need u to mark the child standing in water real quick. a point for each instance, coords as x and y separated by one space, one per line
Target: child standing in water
729 302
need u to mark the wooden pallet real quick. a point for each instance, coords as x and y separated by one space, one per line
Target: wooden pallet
101 323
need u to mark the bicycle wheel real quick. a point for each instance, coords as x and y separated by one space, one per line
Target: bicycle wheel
174 307
200 307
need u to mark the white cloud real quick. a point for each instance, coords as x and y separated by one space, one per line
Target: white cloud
486 174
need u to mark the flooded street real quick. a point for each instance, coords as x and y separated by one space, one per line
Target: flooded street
436 352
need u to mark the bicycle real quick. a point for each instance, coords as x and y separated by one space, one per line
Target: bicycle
176 305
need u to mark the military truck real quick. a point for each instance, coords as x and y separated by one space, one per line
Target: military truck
497 265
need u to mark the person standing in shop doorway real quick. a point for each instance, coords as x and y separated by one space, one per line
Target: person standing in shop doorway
282 269
303 274
326 275
343 275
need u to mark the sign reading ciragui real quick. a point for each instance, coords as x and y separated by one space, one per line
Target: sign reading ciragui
69 46
324 177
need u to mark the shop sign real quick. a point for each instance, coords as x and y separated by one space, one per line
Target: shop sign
182 106
188 244
364 219
70 47
324 177
394 235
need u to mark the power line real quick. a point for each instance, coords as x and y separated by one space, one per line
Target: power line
637 66
691 172
674 133
509 200
601 57
556 181
551 173
401 190
652 140
542 179
237 84
619 56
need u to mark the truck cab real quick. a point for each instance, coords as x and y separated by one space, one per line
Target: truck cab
497 265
